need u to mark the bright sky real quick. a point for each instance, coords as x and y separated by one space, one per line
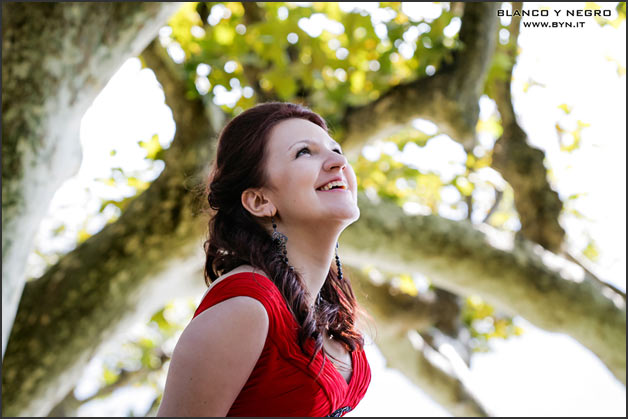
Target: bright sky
537 374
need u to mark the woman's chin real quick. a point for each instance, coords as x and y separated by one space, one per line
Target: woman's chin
343 215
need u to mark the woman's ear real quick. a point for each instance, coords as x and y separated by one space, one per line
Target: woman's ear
255 202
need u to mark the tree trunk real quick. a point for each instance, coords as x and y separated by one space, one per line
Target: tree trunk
56 57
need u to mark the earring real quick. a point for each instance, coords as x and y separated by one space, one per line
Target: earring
338 264
280 240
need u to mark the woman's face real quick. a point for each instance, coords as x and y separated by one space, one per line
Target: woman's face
301 158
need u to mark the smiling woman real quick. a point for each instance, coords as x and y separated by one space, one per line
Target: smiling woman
254 345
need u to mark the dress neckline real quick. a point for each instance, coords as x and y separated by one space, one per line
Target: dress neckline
338 374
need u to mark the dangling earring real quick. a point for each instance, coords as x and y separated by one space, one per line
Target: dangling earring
338 264
280 240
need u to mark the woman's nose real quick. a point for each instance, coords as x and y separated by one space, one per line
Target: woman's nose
336 160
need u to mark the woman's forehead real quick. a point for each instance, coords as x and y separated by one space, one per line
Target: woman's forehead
291 131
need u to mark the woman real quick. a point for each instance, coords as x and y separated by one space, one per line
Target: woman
275 333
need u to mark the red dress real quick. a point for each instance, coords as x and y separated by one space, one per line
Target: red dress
281 383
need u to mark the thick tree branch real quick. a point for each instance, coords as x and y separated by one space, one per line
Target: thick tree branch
521 165
105 279
511 274
44 97
449 98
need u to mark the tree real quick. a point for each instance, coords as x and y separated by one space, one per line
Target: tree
44 96
96 287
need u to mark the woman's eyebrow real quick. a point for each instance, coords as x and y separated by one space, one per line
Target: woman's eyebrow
334 143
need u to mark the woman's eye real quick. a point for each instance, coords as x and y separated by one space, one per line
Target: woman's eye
308 150
304 148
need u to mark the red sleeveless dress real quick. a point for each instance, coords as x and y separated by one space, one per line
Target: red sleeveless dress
281 383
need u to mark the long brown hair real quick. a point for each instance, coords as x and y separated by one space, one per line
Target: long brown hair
236 237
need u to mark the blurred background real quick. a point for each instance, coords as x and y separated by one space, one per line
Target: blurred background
490 159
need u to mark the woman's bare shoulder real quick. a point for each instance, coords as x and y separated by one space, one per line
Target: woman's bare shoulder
214 358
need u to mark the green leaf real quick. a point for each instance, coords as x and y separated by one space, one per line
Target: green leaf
591 251
152 147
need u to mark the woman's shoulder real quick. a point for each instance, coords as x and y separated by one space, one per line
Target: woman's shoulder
245 280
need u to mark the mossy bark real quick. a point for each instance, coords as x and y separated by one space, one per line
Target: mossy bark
56 57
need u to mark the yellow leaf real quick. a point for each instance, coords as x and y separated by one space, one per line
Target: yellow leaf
235 7
591 251
565 108
401 18
138 184
464 186
152 147
110 376
407 285
224 34
357 81
83 235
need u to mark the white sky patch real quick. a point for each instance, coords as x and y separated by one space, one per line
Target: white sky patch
449 194
292 37
371 152
425 126
247 92
380 30
197 31
454 26
416 11
317 23
440 155
230 66
500 239
416 208
543 374
109 124
406 50
222 96
218 12
202 85
350 6
282 13
411 35
203 69
453 212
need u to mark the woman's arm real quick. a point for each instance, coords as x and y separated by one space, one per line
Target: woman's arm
214 358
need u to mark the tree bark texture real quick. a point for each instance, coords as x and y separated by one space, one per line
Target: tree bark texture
521 165
56 57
